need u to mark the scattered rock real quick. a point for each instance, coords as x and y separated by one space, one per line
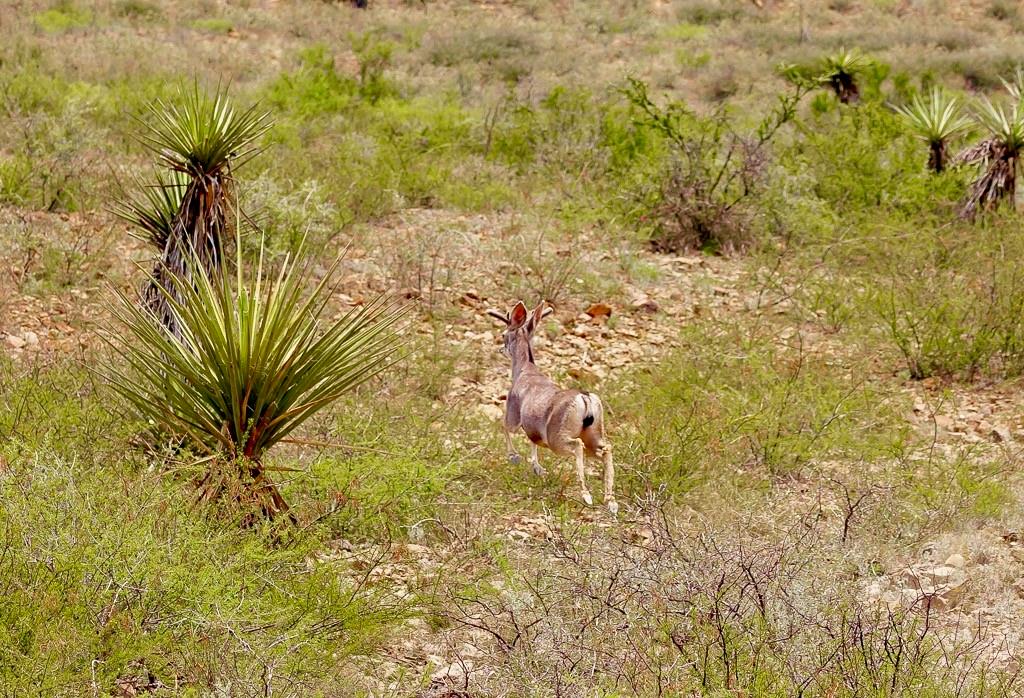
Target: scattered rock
599 310
470 298
956 560
491 411
1001 434
939 588
15 342
645 304
31 338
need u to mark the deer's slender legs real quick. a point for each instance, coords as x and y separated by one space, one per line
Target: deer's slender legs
609 479
513 457
581 471
535 460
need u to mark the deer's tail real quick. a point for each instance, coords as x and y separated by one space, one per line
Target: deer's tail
592 408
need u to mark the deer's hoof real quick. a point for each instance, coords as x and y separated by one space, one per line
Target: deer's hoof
538 470
613 507
514 458
587 499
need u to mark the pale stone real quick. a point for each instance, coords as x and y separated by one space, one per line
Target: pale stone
956 560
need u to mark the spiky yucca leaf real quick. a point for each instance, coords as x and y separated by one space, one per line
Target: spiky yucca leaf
200 134
844 62
1004 123
935 120
1015 86
152 213
255 359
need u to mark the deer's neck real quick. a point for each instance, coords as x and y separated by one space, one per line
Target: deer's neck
522 356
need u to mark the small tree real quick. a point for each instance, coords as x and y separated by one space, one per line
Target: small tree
252 361
936 121
997 157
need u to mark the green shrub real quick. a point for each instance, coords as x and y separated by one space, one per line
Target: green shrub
315 88
137 9
862 162
112 581
505 53
63 17
952 302
709 192
727 403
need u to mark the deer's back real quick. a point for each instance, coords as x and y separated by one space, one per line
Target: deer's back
544 407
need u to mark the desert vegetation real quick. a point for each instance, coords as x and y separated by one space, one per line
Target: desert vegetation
250 437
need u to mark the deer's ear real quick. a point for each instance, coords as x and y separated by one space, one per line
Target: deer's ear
498 315
539 313
517 317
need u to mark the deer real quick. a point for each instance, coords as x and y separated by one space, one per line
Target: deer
568 422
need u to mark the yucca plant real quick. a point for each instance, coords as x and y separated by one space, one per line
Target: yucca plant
152 212
840 74
252 362
997 157
203 139
935 120
1015 86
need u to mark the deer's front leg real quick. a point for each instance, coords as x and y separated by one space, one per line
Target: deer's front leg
581 471
513 457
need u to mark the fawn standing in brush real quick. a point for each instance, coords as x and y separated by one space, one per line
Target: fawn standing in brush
569 422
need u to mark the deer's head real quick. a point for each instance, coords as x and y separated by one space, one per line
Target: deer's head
519 326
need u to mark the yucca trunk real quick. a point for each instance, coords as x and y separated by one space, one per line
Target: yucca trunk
243 485
195 244
937 156
997 183
845 88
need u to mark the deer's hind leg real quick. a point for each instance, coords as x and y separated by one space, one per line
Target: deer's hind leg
579 451
596 446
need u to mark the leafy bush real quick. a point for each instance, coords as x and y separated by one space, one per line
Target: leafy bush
315 88
708 197
862 164
112 584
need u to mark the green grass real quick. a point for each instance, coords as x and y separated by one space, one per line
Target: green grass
213 25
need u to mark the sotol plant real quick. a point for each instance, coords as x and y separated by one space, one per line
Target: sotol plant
997 157
252 361
201 140
935 120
